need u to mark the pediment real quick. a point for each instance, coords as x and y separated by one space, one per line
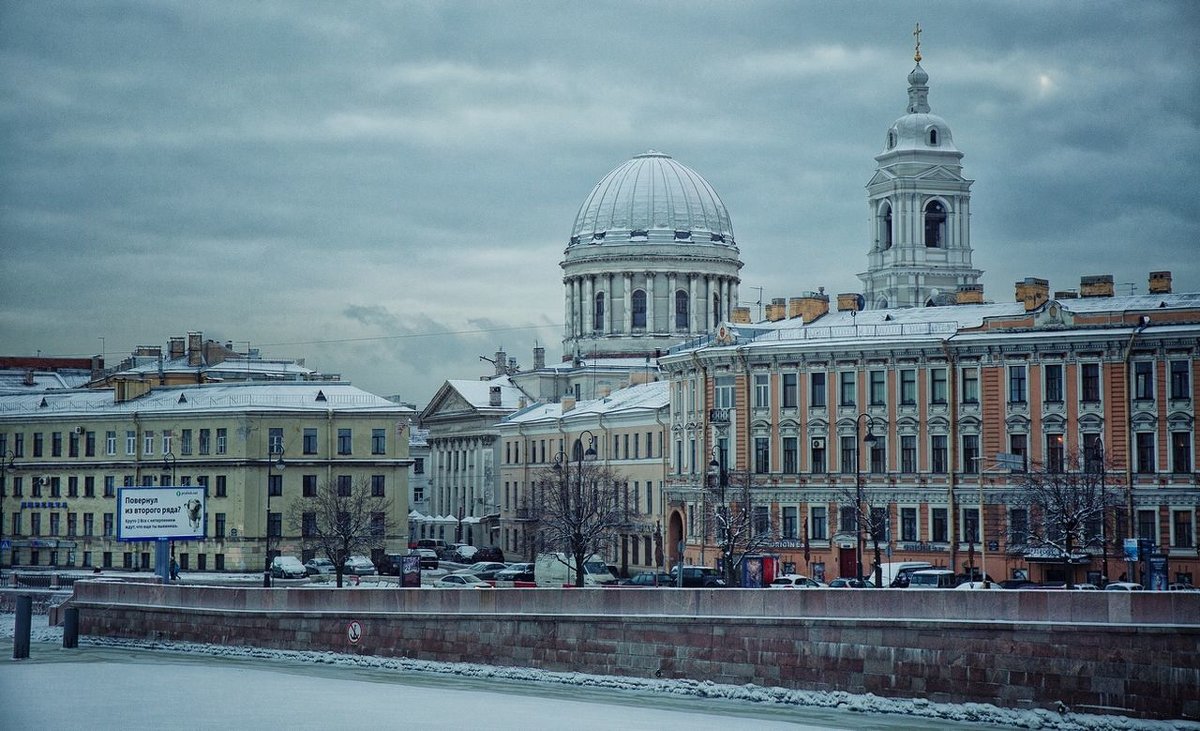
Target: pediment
881 176
446 401
940 173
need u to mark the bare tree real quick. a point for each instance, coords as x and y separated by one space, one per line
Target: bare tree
741 524
871 510
341 519
1068 505
578 509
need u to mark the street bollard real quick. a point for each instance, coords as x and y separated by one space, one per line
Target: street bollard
71 628
23 626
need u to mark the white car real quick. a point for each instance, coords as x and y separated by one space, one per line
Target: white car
1124 586
287 567
359 566
794 581
967 585
461 581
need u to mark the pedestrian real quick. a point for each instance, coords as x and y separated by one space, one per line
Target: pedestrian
174 569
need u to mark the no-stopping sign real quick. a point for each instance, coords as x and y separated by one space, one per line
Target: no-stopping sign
354 632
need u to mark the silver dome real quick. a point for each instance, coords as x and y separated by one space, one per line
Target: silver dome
652 193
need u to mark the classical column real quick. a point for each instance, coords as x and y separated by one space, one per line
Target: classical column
589 305
693 298
671 288
627 281
610 318
649 301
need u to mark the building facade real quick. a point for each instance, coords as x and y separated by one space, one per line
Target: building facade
66 453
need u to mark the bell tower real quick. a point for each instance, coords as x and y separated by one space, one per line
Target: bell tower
920 209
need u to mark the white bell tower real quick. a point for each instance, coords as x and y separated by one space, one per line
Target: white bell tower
920 210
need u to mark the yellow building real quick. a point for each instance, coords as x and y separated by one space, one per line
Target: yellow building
66 453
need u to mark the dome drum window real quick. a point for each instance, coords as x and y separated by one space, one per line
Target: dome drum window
683 235
718 238
638 304
935 225
933 137
681 310
640 234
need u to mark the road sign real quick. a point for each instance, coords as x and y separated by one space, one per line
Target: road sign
354 632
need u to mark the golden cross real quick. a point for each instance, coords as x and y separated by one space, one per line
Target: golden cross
917 35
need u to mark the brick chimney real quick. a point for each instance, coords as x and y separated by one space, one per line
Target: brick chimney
494 396
1033 292
741 315
809 306
501 362
969 294
848 302
777 310
1160 283
539 358
1096 285
175 349
194 349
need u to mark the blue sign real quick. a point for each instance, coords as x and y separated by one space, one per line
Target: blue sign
1131 549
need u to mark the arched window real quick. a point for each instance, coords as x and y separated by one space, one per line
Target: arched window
935 225
891 140
885 225
598 313
639 309
716 310
933 137
681 310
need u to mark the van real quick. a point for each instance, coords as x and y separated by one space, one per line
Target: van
436 544
558 570
932 579
896 574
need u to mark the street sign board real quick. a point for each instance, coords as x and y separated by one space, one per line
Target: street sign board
1010 461
160 513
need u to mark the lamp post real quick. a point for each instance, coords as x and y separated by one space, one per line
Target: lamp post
718 472
274 462
574 514
868 440
170 463
6 466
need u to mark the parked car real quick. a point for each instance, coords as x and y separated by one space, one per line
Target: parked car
428 558
843 582
1182 587
318 566
980 585
434 544
489 553
647 579
359 566
1124 586
794 581
461 581
463 553
1017 584
288 567
484 569
896 574
704 577
516 572
933 579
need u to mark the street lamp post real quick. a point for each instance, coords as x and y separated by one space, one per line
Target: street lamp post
166 553
575 516
868 440
717 470
6 466
274 462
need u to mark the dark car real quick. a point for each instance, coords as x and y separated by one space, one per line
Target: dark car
698 577
516 572
489 553
485 570
648 579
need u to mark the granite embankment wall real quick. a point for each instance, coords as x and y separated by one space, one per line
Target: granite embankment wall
1097 652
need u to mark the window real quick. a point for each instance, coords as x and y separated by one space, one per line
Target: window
274 440
908 387
848 519
598 312
377 485
1018 445
110 443
933 137
819 525
879 524
970 525
73 445
817 463
148 442
343 485
130 443
638 304
1054 453
937 386
790 523
723 392
274 487
308 525
1144 450
55 524
108 524
72 486
886 232
308 485
762 391
681 310
849 455
1018 526
762 520
762 455
185 441
379 441
205 439
419 466
908 524
970 385
879 456
791 455
1181 522
89 486
274 526
1089 381
1181 452
310 441
1143 380
167 438
221 486
970 454
816 396
222 440
1016 384
908 453
939 525
935 225
56 444
1180 384
219 525
790 390
110 486
89 524
38 441
1054 383
344 441
846 385
876 390
1147 525
938 454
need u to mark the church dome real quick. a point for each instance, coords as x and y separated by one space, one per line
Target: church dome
920 132
649 197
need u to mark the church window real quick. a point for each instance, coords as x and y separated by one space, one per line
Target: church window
891 140
935 225
885 233
681 310
639 308
716 310
933 137
598 313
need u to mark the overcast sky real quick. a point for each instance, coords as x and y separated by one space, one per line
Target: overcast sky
386 190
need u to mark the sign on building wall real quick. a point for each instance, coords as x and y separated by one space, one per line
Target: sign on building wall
153 513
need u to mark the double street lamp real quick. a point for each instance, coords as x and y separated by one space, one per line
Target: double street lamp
274 462
720 475
869 440
573 518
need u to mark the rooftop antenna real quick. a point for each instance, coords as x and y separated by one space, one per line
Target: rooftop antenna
758 303
1132 287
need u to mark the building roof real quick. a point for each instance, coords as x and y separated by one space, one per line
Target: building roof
643 397
19 380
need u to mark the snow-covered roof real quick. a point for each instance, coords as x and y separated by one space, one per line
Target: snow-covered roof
233 367
14 380
288 396
479 393
643 397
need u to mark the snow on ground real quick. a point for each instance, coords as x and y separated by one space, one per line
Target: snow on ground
114 682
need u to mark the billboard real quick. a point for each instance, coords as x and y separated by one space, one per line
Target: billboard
157 513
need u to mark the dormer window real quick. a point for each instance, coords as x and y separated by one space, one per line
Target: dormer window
891 140
933 137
